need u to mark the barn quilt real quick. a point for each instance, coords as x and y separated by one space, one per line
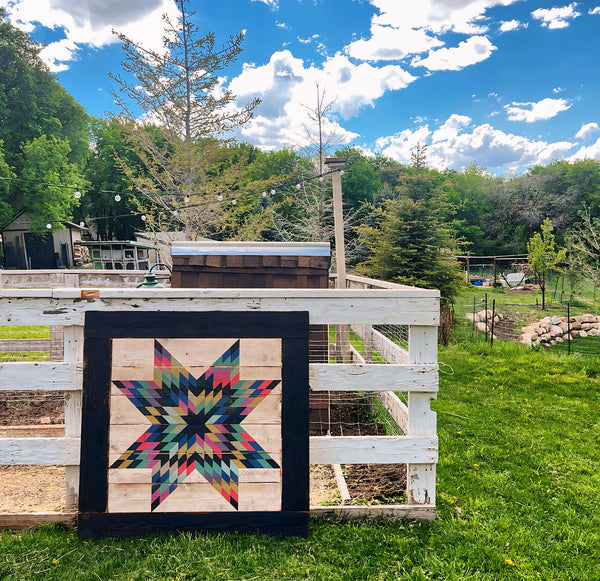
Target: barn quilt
195 421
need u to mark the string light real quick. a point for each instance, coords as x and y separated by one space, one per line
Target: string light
117 196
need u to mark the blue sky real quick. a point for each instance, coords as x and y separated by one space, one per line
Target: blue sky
503 83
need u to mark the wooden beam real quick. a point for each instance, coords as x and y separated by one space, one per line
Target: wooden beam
23 520
372 449
39 451
419 512
40 376
373 377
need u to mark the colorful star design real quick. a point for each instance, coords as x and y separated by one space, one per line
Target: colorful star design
196 424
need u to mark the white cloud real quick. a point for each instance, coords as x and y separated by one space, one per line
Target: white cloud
458 148
271 3
590 152
91 23
392 43
451 128
284 85
556 17
469 52
403 28
530 112
510 25
587 129
595 10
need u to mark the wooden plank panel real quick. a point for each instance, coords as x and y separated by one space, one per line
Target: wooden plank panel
373 377
39 451
40 376
124 412
372 449
389 350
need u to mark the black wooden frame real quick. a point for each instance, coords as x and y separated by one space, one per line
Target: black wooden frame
102 327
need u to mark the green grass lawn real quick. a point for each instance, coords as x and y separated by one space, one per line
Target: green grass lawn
518 497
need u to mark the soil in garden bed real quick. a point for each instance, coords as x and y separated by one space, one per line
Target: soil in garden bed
26 408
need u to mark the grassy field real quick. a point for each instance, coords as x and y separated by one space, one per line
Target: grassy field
518 484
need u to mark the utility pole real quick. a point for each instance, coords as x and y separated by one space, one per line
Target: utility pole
335 164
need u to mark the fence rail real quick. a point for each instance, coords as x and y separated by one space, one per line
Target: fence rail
357 309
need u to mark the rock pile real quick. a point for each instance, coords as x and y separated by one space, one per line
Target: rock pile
551 330
483 320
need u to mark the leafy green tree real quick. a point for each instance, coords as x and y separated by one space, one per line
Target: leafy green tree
360 182
36 113
543 255
410 244
45 160
109 218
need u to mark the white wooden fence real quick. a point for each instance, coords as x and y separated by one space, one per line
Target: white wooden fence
367 302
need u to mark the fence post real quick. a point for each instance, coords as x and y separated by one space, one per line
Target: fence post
493 321
569 328
422 421
73 349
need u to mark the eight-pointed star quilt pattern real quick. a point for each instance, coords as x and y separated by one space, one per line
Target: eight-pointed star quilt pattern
195 424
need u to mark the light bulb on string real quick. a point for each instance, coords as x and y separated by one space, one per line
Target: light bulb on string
273 192
186 199
341 172
77 194
264 194
233 202
48 225
220 198
298 186
321 178
143 217
82 224
117 198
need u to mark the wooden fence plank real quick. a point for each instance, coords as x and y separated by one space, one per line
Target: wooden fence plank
73 355
418 512
66 306
40 376
397 408
23 520
39 451
372 449
373 377
422 421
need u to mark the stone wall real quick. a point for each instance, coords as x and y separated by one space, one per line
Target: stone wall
552 330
